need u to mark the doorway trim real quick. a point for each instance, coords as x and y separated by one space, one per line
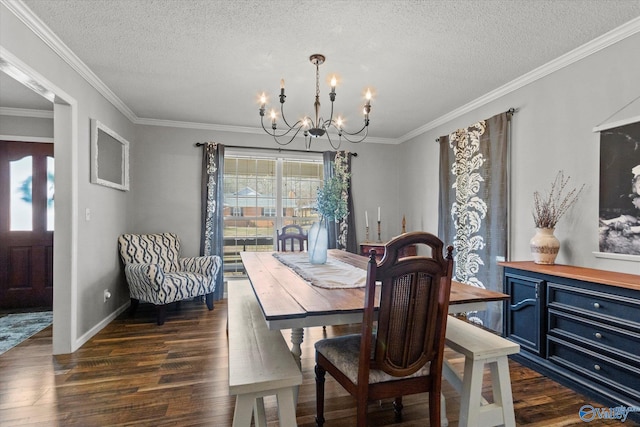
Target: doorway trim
65 246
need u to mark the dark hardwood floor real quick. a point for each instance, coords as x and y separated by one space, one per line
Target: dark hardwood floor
135 373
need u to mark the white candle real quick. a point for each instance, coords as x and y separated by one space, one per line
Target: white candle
378 213
366 218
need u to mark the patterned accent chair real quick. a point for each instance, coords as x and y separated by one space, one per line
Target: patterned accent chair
157 274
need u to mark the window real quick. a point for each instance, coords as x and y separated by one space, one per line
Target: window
261 194
21 177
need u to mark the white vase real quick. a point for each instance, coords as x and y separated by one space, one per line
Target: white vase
318 243
544 246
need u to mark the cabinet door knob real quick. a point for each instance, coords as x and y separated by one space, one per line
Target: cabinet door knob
598 335
596 305
596 367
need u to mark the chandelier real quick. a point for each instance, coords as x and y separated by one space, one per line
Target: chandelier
309 126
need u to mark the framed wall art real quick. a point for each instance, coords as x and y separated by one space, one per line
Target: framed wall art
619 199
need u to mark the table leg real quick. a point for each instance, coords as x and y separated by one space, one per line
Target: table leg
297 335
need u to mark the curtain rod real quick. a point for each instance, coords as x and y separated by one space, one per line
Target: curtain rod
511 111
200 144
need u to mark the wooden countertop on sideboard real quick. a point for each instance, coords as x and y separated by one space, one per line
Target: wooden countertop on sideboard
622 280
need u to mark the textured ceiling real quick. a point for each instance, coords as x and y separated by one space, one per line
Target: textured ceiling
207 61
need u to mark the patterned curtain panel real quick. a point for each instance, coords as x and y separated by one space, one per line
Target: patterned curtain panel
211 239
473 206
342 234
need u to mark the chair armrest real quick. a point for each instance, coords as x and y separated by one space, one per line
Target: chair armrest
144 279
207 265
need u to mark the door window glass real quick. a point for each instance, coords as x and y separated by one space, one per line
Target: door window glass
50 192
20 180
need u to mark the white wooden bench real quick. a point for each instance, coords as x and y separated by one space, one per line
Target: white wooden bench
260 362
480 347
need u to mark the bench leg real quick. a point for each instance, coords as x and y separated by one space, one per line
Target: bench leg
501 383
286 407
244 410
474 410
259 416
471 395
444 421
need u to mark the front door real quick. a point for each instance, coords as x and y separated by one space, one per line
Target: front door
26 224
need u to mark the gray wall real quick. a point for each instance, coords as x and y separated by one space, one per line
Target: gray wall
165 180
86 258
23 126
552 130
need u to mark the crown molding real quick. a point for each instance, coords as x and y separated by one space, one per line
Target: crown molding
24 112
617 34
229 128
40 29
196 125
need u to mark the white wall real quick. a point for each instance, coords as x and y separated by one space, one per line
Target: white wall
165 180
89 257
552 130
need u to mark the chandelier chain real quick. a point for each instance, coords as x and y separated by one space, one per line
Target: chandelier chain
317 80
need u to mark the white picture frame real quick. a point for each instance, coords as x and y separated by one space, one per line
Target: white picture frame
109 157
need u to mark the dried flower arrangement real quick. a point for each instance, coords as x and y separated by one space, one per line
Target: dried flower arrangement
548 210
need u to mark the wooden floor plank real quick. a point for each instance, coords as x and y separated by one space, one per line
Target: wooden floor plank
135 373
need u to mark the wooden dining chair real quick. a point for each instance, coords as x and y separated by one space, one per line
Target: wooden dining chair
292 237
404 356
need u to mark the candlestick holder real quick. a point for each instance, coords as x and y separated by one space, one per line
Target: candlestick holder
379 239
366 237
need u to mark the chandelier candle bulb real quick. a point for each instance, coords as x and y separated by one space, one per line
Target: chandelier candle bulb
315 126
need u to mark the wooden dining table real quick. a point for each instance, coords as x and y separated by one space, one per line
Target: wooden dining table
290 302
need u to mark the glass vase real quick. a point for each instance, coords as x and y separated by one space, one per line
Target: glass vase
318 243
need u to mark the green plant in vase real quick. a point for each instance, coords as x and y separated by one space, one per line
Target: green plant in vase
331 204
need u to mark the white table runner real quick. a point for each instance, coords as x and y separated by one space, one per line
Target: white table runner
333 274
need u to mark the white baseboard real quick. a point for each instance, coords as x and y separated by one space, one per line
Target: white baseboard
93 331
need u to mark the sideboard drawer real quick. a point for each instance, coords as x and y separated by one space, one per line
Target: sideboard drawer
618 308
618 342
608 372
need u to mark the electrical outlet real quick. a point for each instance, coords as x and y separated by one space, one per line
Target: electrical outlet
107 295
